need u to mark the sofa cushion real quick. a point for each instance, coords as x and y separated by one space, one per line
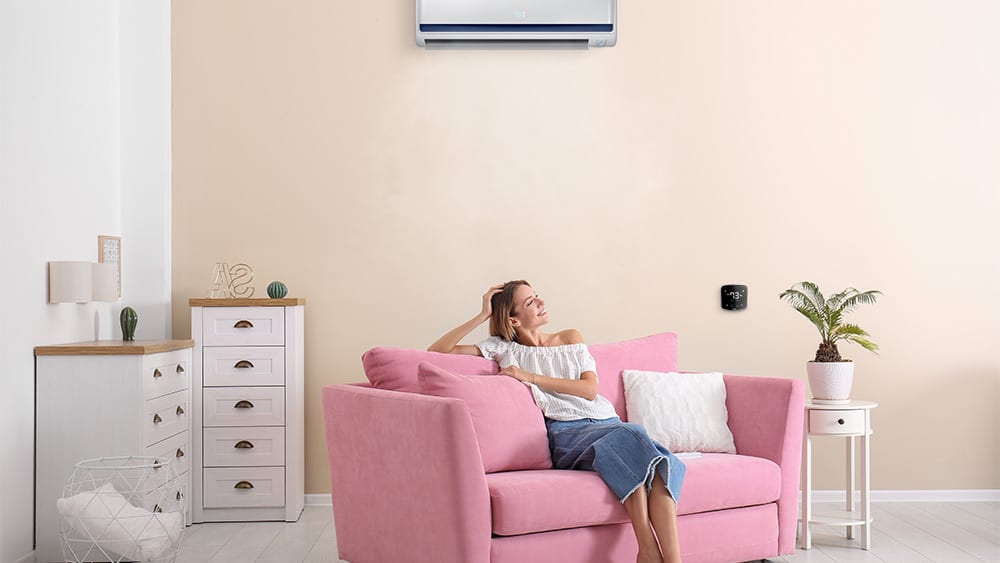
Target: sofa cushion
657 352
509 427
685 412
535 501
523 502
395 369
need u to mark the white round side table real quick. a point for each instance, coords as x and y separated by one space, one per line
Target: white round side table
849 420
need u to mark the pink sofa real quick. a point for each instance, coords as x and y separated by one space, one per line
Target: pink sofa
409 485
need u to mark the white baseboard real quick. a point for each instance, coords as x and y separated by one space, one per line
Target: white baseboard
319 500
941 495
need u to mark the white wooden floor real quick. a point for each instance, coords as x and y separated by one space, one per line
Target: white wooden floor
905 532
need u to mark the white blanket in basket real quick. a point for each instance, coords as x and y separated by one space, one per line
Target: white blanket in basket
117 526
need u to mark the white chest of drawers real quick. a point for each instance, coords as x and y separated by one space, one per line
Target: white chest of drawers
102 399
248 398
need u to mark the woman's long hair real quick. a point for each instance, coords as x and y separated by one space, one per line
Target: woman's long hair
503 308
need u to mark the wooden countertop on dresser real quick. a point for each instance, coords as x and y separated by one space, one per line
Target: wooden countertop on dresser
250 302
113 348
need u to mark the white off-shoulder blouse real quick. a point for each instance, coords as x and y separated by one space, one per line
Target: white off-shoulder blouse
567 361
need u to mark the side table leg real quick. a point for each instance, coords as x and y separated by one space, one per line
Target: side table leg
806 490
866 490
850 482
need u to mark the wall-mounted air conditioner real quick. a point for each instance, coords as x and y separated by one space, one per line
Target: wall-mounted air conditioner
587 22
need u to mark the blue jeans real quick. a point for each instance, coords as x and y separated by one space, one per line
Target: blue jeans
622 453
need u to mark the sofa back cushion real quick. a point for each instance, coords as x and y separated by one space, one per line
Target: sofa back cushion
395 369
509 427
657 352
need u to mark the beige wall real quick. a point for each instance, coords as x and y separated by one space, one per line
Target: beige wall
720 142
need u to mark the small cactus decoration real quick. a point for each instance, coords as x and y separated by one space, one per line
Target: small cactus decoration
277 290
129 319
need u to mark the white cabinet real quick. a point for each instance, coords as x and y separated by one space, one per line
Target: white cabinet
248 404
103 399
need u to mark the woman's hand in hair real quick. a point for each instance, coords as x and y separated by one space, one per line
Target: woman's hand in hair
488 301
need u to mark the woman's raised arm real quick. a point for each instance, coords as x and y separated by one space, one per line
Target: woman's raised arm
449 343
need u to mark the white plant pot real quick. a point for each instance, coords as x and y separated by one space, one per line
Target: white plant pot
830 382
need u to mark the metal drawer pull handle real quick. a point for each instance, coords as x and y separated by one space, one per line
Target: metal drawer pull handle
244 404
243 445
180 452
157 419
840 421
243 364
157 464
180 369
243 485
156 373
243 324
180 411
179 495
157 508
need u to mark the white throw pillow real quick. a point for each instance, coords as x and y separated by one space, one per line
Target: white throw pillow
685 412
117 526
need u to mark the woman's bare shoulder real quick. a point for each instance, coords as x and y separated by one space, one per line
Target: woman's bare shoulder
569 336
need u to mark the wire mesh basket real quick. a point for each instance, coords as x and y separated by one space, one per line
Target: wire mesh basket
122 509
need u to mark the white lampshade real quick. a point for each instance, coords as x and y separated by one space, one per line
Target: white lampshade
70 281
104 286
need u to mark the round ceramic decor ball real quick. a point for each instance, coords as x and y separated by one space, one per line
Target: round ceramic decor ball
277 290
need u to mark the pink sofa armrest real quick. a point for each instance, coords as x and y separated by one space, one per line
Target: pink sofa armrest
406 476
765 417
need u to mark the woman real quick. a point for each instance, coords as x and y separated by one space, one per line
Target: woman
584 429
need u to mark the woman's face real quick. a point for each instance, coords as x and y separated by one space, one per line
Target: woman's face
529 309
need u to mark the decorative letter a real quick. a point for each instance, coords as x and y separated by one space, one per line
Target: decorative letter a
221 283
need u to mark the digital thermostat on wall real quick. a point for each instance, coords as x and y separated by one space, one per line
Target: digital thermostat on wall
734 297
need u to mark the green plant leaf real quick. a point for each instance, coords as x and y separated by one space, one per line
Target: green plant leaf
854 301
847 330
805 305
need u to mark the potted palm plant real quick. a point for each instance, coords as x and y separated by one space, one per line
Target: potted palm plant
830 376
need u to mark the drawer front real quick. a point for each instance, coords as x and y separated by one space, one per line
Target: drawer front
243 326
836 422
167 496
244 406
165 373
165 416
243 366
241 487
176 448
245 446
